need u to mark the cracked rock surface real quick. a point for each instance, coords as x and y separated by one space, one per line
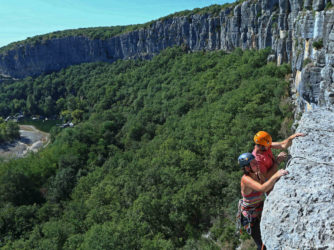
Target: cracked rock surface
299 212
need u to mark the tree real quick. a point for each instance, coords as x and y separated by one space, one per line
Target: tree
18 189
12 130
77 115
152 163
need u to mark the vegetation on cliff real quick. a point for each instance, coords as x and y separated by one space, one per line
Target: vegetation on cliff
91 33
151 163
109 32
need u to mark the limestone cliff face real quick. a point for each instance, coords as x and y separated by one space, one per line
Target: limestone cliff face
290 28
313 60
243 26
252 24
299 212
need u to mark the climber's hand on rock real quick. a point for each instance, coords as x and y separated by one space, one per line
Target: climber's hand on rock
281 157
281 172
298 134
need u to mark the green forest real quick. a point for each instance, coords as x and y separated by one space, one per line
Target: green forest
8 131
152 160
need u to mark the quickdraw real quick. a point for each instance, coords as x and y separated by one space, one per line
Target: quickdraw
238 218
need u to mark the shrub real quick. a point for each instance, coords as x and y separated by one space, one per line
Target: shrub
318 44
329 5
306 61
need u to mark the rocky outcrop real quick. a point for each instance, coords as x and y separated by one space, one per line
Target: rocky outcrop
299 212
313 59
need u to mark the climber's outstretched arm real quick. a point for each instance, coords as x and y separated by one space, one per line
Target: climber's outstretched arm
249 182
287 142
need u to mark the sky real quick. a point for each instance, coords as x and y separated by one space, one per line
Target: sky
20 19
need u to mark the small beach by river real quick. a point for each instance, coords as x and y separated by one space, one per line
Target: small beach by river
31 140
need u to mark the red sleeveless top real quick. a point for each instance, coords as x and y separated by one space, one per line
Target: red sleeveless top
265 159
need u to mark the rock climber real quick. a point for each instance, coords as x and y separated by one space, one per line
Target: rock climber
268 164
252 190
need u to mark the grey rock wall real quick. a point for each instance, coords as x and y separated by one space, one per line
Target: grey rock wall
247 25
313 59
299 212
289 27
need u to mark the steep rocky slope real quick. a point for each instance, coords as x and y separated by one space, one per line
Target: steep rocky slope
252 24
299 212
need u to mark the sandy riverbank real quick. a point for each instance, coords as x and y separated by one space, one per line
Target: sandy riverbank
31 140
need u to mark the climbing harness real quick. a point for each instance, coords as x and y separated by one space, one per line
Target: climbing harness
252 215
249 209
243 222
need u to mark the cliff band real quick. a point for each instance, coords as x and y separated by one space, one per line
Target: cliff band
299 32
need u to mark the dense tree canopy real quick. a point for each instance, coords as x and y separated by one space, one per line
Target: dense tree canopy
8 131
151 162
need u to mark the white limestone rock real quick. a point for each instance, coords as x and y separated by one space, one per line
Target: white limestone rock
299 212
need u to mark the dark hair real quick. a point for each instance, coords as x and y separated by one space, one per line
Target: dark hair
244 169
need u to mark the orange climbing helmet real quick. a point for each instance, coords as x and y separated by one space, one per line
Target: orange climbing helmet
263 138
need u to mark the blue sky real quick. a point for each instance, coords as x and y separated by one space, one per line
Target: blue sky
20 19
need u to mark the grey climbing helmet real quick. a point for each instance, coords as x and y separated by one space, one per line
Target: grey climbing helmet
245 159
